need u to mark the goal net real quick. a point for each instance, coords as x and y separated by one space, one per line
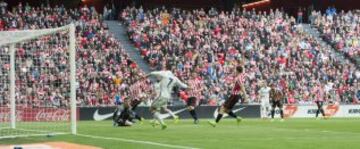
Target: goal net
37 82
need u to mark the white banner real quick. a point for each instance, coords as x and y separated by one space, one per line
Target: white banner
303 111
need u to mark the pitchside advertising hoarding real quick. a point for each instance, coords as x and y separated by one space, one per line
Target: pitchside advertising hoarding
246 111
40 114
105 113
307 111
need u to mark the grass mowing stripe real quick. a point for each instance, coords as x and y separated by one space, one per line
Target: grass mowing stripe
136 141
250 134
307 130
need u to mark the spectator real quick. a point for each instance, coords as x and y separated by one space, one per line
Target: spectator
342 31
3 7
213 44
42 75
300 15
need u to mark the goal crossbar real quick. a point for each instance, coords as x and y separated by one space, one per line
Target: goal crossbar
9 37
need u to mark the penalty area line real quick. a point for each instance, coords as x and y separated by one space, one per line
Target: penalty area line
136 141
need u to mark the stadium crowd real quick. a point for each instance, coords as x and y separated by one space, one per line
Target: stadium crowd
271 46
341 29
104 69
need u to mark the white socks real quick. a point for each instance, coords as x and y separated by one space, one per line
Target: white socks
171 113
157 116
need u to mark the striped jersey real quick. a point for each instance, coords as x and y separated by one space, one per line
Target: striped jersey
319 93
239 80
137 88
196 87
276 94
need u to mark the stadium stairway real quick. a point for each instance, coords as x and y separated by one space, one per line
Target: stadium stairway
119 32
316 34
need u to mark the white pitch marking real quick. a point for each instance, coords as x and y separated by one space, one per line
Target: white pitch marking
137 141
28 135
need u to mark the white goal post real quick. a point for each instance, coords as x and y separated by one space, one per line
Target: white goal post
35 118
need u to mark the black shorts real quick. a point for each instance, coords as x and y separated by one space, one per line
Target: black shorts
230 103
319 104
124 115
276 103
191 102
134 104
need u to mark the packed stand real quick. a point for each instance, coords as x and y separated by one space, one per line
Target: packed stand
271 47
342 30
103 68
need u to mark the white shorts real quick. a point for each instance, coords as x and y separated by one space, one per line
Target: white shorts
159 103
265 103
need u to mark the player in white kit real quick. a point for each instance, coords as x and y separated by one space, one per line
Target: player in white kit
264 93
167 81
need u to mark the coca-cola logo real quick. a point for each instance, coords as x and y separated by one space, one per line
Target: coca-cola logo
35 114
52 115
289 110
331 110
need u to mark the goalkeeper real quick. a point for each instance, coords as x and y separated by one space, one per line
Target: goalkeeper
122 115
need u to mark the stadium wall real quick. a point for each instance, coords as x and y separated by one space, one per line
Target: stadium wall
66 3
318 4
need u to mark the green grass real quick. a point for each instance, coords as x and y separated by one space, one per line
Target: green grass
250 134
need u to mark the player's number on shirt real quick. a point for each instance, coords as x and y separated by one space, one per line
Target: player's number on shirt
171 80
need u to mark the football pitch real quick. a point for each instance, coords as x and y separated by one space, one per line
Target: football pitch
250 134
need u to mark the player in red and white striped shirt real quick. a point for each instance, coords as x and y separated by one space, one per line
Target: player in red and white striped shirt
319 95
135 89
136 93
194 92
237 93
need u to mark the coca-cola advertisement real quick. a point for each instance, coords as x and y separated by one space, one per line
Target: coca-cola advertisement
36 114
